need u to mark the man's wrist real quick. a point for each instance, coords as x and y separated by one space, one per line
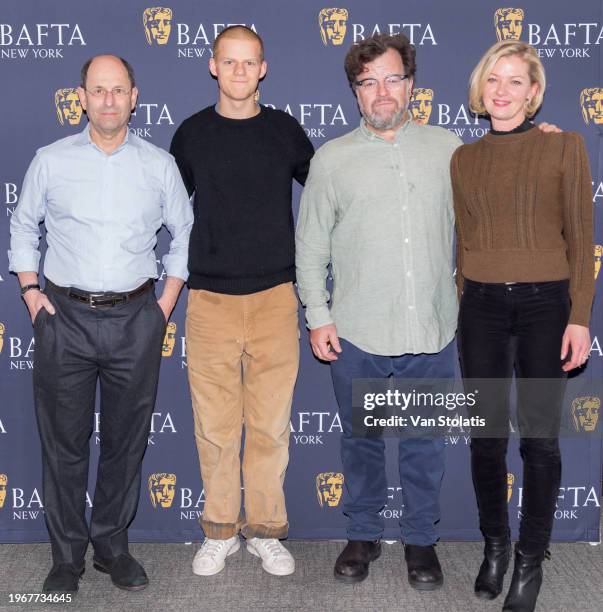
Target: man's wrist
29 287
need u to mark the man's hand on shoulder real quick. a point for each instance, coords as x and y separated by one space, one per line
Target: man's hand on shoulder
325 342
549 128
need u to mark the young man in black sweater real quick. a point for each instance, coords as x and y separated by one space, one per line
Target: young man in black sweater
242 338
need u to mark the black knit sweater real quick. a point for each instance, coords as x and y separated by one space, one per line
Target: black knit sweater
241 172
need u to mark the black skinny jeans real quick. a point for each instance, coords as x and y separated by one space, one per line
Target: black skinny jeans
505 329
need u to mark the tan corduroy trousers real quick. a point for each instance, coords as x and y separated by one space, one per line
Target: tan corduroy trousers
243 357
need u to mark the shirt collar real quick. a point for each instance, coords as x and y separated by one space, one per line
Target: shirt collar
370 135
83 138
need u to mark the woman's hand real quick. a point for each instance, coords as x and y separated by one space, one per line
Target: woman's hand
576 340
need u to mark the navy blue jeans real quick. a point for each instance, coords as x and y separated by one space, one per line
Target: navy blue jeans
421 460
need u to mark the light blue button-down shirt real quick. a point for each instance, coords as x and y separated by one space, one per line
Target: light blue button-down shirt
102 214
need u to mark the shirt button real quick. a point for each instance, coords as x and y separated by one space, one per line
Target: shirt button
409 274
395 145
406 240
410 307
404 208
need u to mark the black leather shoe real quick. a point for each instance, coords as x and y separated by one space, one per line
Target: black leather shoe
526 581
126 573
424 570
63 578
497 554
352 565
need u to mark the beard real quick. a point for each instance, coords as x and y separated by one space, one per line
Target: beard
385 121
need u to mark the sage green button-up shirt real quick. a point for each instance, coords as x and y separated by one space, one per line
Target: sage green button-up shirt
381 214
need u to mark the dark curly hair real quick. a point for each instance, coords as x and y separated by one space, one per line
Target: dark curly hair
371 48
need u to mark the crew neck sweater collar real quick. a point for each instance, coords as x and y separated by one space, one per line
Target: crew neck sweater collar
231 121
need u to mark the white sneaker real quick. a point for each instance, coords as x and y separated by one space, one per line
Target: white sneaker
209 559
276 559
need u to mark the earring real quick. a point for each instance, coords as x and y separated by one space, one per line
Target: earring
256 96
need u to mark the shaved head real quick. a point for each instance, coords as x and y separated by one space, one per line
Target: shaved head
238 32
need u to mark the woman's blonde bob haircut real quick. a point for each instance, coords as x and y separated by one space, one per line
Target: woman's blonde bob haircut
503 49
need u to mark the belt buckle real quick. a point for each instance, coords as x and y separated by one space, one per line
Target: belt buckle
92 297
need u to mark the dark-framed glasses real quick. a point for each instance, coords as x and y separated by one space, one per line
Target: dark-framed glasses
392 81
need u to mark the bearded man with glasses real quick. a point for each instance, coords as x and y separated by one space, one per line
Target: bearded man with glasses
377 205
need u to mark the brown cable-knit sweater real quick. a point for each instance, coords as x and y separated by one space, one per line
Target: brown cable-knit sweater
523 205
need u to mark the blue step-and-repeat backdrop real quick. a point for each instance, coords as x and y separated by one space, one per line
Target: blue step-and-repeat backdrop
42 48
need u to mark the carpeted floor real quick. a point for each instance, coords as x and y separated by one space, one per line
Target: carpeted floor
573 581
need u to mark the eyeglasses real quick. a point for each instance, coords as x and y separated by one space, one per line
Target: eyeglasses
393 81
101 92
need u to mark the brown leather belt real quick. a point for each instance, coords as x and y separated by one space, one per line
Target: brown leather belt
94 300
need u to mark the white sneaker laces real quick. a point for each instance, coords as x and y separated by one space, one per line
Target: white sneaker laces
211 548
274 548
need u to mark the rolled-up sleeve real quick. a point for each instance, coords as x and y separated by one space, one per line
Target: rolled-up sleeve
178 218
313 244
24 253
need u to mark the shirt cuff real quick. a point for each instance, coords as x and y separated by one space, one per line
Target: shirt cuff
175 265
23 261
318 316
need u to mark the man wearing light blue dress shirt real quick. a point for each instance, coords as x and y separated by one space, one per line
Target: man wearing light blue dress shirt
103 195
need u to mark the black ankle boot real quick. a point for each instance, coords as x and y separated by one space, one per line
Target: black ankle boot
497 553
526 581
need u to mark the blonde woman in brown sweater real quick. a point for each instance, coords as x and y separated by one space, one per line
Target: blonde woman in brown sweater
523 209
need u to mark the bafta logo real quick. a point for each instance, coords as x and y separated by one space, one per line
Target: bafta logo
68 106
162 488
157 22
3 483
510 481
329 487
421 104
169 340
2 330
591 101
333 25
598 255
585 413
508 23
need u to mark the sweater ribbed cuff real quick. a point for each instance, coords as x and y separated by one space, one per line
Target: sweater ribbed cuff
581 307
